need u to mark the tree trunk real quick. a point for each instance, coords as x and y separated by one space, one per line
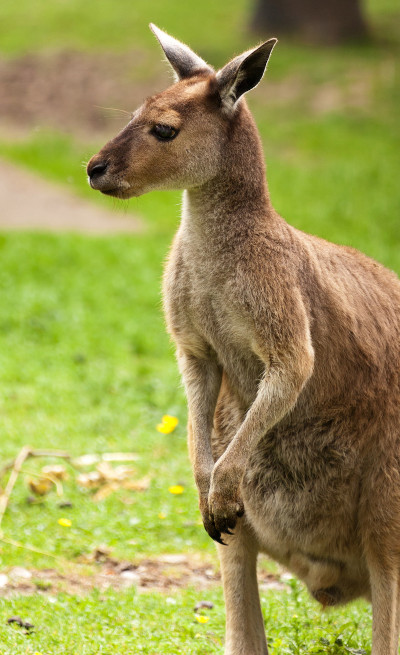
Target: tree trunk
314 21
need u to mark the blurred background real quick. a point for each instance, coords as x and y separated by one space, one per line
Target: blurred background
85 363
327 108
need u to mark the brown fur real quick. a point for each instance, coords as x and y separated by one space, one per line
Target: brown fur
289 347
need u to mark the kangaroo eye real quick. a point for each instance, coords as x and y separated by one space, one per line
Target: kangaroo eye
164 132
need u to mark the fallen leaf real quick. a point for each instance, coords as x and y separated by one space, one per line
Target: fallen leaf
105 491
120 457
90 480
22 624
40 486
91 458
118 473
202 619
57 471
137 485
86 460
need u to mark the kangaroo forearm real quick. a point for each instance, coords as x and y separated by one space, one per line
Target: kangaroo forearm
202 380
276 396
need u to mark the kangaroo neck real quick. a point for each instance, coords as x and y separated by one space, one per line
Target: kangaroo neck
237 198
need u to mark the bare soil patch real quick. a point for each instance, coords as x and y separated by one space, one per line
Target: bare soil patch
29 202
353 91
71 91
67 91
165 573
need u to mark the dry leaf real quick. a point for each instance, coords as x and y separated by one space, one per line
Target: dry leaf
86 460
118 473
90 480
119 457
107 479
137 485
91 458
40 486
22 624
105 491
57 471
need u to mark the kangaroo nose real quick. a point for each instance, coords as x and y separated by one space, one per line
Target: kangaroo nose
96 170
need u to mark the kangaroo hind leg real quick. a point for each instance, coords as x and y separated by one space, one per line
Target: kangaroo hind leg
245 634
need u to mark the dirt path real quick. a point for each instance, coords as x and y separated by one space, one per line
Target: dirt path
30 203
164 573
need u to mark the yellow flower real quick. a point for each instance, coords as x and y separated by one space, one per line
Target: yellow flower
162 515
202 619
168 424
66 523
176 489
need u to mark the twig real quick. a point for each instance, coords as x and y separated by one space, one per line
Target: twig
5 497
35 453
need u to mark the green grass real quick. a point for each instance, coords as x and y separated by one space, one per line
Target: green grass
123 25
85 363
116 623
343 169
118 26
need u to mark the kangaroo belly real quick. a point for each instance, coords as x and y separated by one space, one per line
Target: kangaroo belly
301 490
305 516
319 517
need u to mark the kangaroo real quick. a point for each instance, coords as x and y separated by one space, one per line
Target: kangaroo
289 348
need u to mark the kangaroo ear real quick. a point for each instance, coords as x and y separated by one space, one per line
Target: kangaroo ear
182 59
243 73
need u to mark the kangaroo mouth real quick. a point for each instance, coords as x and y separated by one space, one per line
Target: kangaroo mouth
105 186
117 192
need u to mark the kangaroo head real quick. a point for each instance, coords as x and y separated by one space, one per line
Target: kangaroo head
176 139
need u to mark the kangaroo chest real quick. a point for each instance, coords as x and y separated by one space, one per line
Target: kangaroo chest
203 314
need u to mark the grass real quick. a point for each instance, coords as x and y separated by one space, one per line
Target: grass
85 363
117 26
115 623
43 26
